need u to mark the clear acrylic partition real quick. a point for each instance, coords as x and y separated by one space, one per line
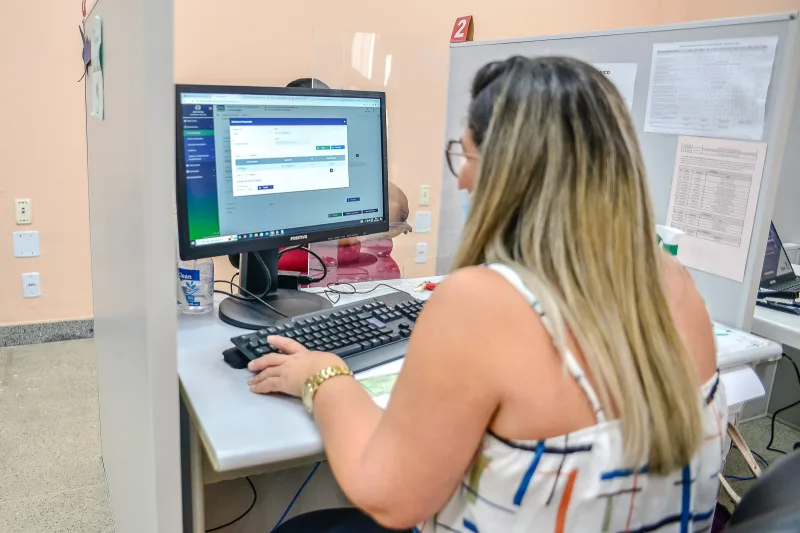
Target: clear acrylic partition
413 73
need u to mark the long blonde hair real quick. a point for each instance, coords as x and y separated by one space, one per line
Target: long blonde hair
562 198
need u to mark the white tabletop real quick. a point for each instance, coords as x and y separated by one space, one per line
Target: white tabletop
780 327
243 430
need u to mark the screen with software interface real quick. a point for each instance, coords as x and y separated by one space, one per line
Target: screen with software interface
266 165
776 262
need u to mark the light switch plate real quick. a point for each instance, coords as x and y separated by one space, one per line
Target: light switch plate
31 287
23 210
422 222
425 195
26 244
422 253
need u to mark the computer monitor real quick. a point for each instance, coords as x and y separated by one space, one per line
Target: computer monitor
263 168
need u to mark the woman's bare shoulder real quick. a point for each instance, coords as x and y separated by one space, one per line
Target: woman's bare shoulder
691 316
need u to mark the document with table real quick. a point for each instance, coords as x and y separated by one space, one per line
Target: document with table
715 188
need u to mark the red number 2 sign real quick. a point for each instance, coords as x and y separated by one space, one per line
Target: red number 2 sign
462 31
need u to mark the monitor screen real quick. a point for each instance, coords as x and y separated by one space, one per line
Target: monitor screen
263 168
776 262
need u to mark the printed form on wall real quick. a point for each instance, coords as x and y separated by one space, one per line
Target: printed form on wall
710 88
714 195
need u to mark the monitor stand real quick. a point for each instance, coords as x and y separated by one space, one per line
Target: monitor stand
252 314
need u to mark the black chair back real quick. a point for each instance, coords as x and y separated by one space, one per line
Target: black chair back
773 504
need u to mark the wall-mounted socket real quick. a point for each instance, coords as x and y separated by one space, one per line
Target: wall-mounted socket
31 288
26 244
24 211
422 253
422 222
425 195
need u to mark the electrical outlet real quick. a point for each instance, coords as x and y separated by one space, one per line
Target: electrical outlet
425 195
31 288
24 211
422 253
422 222
26 244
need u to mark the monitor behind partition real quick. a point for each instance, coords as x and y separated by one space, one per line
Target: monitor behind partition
260 169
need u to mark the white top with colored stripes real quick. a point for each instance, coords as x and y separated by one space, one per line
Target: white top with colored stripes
578 482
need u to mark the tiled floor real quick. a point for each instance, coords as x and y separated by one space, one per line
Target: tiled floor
51 472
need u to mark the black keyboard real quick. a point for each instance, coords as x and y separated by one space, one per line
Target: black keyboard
365 334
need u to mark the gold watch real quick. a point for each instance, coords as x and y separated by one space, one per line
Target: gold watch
313 383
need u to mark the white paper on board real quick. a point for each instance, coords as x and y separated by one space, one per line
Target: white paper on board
714 194
710 88
623 76
96 70
741 384
98 97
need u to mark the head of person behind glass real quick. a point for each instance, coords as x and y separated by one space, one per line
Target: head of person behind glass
560 205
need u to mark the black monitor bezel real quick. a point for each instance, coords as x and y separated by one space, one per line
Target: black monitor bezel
271 243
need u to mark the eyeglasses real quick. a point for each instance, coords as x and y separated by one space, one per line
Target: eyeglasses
456 158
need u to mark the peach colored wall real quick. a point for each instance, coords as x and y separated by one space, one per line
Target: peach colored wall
265 43
249 42
43 157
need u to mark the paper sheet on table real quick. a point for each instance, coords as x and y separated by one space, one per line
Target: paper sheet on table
710 88
741 384
379 381
623 76
714 194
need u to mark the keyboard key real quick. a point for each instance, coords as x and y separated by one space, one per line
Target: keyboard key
375 343
385 339
365 344
263 350
348 350
394 337
328 347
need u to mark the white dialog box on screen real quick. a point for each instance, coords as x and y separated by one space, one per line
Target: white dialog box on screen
280 155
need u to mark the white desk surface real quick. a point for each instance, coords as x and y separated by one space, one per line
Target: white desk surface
240 429
780 327
243 430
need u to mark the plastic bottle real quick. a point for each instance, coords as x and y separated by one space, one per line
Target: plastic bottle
669 238
196 286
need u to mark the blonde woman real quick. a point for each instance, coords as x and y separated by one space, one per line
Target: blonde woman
563 378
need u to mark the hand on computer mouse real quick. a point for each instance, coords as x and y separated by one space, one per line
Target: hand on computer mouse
287 372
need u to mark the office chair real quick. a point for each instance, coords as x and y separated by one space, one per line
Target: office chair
772 504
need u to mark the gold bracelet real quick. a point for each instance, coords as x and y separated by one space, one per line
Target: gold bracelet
312 384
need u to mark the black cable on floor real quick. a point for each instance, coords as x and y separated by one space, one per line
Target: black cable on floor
782 409
255 499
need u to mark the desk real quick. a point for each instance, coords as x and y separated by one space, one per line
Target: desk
243 433
783 328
